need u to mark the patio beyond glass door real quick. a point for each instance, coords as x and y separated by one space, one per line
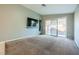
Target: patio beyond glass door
51 27
62 27
56 27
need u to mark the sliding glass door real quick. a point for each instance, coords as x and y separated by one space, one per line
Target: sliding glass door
56 27
62 27
51 27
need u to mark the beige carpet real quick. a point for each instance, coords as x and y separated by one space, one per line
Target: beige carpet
46 45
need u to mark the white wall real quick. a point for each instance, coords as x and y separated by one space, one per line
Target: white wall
76 31
13 21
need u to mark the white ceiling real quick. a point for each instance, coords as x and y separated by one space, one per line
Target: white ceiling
52 8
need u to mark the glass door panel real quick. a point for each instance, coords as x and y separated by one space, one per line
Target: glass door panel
56 27
51 27
62 27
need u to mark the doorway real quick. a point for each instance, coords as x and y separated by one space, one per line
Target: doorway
56 27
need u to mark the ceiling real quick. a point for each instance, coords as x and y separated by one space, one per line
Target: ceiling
51 8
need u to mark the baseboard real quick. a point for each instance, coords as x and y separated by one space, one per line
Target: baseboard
23 37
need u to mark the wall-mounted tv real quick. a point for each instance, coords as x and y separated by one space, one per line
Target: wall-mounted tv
31 22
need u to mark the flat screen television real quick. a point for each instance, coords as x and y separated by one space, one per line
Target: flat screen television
31 22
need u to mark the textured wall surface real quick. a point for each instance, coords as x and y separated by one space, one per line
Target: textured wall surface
13 19
76 25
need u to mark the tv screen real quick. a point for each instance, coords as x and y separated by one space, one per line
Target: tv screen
32 22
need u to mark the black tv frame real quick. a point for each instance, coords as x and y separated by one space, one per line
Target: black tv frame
29 22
